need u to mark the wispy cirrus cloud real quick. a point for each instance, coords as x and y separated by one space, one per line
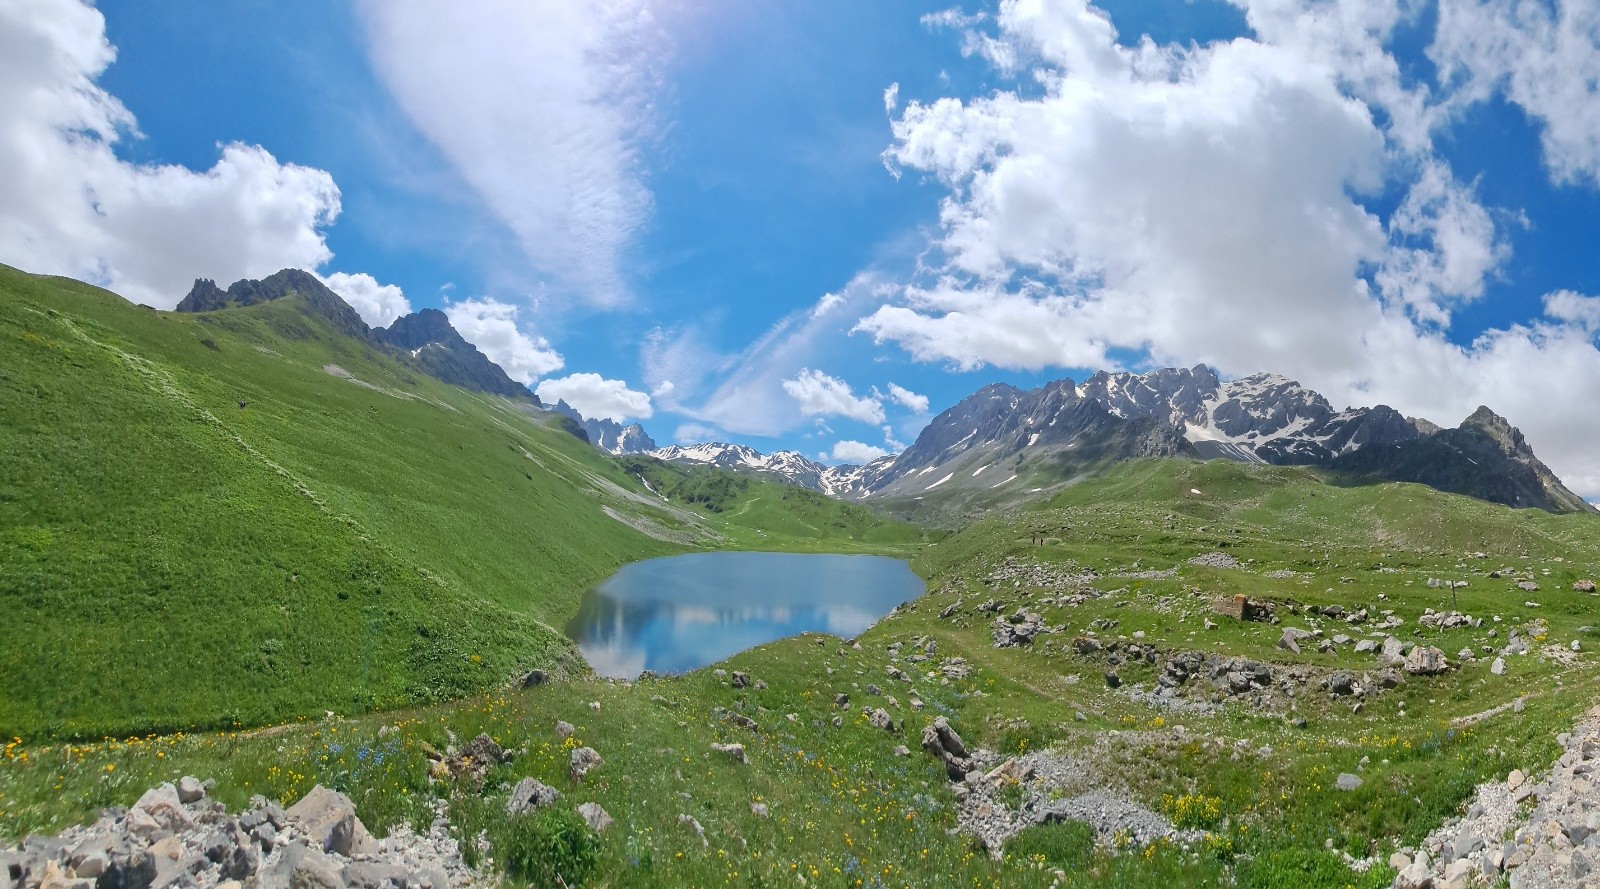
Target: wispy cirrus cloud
543 109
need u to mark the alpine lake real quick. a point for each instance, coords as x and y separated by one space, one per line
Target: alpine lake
681 613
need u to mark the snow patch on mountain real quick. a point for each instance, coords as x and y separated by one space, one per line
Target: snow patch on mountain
847 481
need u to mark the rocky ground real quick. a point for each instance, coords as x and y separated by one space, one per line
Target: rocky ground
1051 786
176 836
1540 830
1198 681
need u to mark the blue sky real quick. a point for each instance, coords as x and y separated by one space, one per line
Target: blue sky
745 221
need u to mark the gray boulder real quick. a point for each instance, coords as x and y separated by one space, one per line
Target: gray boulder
298 866
596 817
942 742
374 875
1425 660
733 751
131 867
328 820
190 790
530 794
1291 638
158 810
582 760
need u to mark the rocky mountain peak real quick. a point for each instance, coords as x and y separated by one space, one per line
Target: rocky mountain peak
205 296
1498 428
446 355
1262 417
422 328
608 435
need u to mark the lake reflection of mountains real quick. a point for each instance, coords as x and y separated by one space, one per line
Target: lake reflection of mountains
684 612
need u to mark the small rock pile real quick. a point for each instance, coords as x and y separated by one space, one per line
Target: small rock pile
1448 620
1214 560
175 835
1190 678
471 763
1019 628
1019 573
1054 787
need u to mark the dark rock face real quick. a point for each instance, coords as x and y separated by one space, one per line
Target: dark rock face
1054 419
1175 412
1260 417
609 435
615 438
420 329
1485 457
444 355
204 296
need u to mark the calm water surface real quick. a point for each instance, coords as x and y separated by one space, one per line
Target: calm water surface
683 612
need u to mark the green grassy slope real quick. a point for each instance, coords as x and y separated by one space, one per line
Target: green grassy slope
356 535
843 806
755 511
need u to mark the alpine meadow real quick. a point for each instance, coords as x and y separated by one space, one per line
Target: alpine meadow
682 443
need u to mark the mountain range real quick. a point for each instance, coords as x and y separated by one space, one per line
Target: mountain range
1002 437
608 435
790 466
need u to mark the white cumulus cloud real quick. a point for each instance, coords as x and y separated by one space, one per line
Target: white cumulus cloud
1229 203
1545 57
917 404
1574 308
491 325
377 304
821 395
542 109
856 452
70 206
596 397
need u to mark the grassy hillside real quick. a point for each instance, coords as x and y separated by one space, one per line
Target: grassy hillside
358 536
755 511
241 516
1256 784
